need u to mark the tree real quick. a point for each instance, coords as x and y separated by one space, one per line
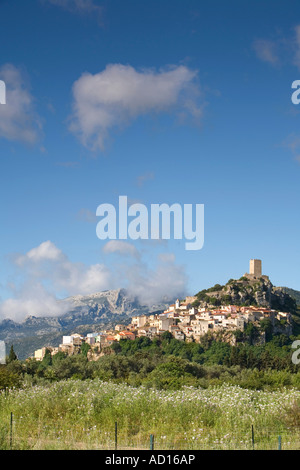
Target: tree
47 359
266 326
84 349
12 355
251 332
116 347
167 336
59 356
8 379
218 353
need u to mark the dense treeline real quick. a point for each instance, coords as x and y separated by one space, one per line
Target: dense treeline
167 363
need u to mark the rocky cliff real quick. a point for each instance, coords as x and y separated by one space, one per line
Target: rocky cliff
247 291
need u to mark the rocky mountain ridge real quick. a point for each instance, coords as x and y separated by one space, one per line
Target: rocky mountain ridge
105 309
247 290
84 313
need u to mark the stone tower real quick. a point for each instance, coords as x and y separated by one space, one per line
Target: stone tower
255 267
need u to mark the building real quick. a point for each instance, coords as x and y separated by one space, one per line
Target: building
90 340
178 334
101 338
255 268
119 327
125 335
75 339
110 339
164 323
139 321
39 354
200 327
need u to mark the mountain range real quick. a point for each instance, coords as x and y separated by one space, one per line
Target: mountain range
84 315
103 310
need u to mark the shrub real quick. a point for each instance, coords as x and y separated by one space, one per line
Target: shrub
8 379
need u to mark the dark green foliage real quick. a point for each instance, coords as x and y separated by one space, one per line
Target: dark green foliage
71 367
173 373
167 363
215 288
47 359
84 349
295 294
267 328
8 378
12 355
217 353
58 357
226 299
251 333
287 305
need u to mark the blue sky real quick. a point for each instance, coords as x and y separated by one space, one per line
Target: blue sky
165 102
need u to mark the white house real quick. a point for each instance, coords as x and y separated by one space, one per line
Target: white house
139 321
200 327
164 323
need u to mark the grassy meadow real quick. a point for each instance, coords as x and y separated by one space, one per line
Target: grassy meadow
76 414
187 395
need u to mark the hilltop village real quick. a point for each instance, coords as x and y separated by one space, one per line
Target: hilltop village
185 320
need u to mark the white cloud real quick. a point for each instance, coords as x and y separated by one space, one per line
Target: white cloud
296 46
120 247
86 215
145 177
32 299
84 280
50 263
266 51
18 119
45 251
292 142
45 274
166 281
167 257
113 98
280 50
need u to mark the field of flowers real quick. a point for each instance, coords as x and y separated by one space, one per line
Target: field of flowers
76 414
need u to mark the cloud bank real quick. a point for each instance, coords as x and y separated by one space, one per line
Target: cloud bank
18 119
281 50
45 274
114 98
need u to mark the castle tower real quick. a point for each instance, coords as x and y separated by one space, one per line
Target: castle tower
255 267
